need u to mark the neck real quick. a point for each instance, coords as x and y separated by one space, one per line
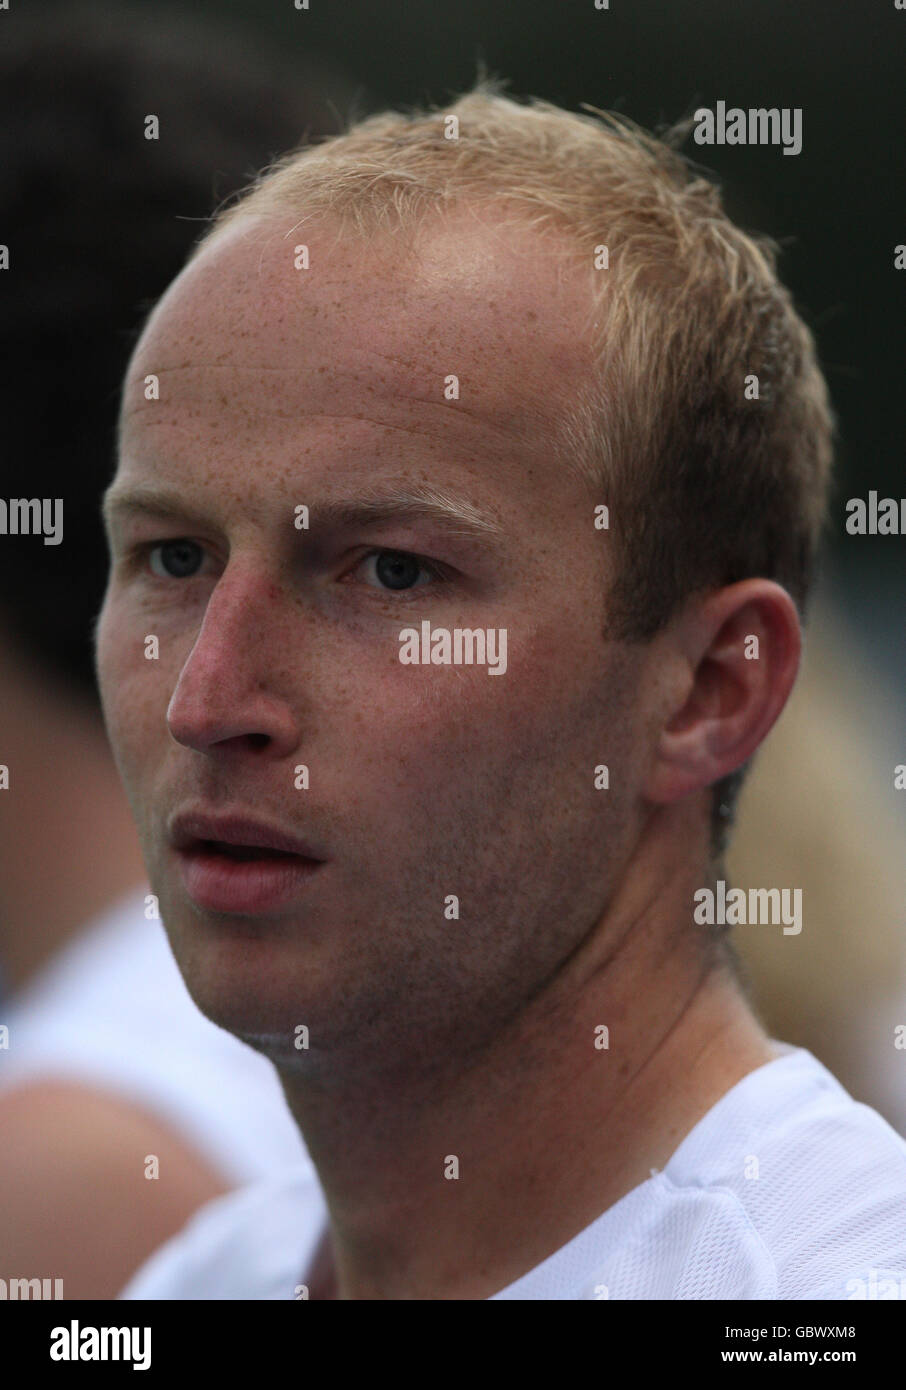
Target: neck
544 1122
68 847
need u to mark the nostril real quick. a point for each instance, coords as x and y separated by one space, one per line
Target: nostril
259 740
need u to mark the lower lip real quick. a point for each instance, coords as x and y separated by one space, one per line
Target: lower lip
220 884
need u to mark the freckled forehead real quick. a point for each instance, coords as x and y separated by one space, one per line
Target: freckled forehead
494 304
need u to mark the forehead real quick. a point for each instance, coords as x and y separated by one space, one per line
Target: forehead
249 346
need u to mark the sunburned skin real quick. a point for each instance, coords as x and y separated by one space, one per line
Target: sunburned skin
279 387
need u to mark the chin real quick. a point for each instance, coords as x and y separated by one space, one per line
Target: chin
251 985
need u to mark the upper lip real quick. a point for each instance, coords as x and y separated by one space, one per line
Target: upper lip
188 828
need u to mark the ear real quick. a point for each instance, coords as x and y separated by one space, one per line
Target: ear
738 650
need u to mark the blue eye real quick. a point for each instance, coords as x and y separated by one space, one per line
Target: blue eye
179 559
397 570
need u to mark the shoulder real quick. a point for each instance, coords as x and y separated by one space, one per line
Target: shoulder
112 1013
254 1243
818 1180
73 1208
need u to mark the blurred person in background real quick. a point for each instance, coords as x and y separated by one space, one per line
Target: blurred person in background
106 1065
819 811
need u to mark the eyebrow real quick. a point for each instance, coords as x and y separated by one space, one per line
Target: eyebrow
414 502
155 502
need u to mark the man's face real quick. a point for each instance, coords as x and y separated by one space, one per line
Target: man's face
280 647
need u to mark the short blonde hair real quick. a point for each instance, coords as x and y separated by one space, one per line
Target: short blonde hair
705 485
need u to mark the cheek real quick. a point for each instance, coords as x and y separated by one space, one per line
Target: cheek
130 687
433 730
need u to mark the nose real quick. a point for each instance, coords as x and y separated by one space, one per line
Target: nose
226 697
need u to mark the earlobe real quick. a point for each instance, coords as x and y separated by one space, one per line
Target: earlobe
742 645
